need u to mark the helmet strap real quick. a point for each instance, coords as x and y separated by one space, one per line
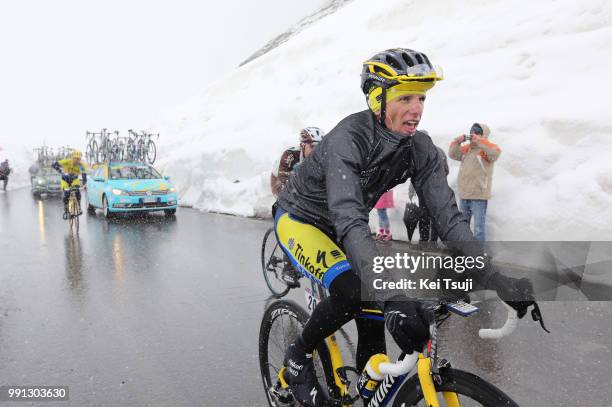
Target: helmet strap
383 106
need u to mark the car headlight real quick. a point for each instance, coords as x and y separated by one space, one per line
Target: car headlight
172 189
118 192
40 182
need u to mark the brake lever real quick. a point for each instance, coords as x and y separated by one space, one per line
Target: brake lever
536 314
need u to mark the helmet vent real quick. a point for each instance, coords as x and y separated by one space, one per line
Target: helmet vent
407 59
393 62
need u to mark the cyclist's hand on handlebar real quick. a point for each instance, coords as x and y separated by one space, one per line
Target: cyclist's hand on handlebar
406 323
516 292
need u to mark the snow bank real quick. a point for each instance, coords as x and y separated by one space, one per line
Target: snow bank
20 158
535 72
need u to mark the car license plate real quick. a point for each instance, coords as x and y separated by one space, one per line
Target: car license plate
149 200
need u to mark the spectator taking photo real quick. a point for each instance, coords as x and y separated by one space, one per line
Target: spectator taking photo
477 155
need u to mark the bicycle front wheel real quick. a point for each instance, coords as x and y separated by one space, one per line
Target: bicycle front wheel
73 213
281 324
471 390
273 264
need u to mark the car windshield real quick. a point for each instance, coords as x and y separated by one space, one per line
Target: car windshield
49 172
133 172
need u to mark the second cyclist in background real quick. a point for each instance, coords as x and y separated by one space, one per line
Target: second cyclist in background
309 138
71 168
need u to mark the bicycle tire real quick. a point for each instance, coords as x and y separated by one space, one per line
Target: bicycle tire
265 264
271 315
95 152
151 151
76 224
88 153
116 152
73 214
103 152
468 386
131 151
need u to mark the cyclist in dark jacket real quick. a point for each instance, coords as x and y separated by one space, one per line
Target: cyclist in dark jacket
321 216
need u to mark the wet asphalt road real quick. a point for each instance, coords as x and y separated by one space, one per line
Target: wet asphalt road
151 311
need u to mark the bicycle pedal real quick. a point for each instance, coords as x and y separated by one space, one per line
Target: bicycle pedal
283 396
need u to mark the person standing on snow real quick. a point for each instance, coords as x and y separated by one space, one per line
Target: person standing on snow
477 155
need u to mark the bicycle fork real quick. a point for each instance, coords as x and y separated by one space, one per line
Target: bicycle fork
426 379
428 369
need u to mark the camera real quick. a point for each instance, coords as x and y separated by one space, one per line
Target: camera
467 137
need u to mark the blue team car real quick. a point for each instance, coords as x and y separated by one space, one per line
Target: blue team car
129 187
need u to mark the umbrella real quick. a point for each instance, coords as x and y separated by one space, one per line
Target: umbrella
412 215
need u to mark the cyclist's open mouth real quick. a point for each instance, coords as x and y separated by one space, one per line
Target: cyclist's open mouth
409 126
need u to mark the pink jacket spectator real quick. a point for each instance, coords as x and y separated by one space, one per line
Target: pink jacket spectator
385 201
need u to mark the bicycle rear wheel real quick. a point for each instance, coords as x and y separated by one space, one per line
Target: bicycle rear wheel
104 152
471 390
282 322
95 152
116 152
88 153
151 152
273 263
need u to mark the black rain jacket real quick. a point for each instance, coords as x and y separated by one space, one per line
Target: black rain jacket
337 186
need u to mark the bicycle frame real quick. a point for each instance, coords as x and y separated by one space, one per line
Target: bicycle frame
427 364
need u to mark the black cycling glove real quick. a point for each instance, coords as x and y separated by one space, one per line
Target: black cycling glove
406 324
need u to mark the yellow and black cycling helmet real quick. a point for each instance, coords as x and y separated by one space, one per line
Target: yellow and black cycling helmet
404 70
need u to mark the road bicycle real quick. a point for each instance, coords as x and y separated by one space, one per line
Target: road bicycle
105 148
141 147
277 269
149 148
119 148
45 156
435 383
131 153
91 151
109 146
74 208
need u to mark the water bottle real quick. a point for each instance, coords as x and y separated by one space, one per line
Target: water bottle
371 377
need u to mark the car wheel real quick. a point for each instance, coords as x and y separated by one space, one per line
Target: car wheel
107 213
169 212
